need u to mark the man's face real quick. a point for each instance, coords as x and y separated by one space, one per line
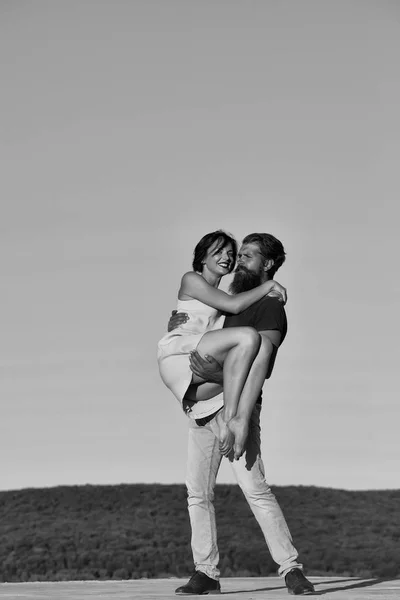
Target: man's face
249 271
250 257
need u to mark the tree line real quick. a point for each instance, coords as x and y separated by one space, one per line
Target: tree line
133 531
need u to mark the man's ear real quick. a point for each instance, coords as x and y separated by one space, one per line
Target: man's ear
268 264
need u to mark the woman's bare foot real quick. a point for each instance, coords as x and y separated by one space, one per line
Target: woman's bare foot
226 437
240 428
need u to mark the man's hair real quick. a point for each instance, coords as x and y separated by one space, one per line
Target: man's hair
270 248
206 242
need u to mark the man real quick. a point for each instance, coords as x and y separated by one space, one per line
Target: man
259 258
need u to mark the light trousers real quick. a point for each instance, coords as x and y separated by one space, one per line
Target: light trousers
204 459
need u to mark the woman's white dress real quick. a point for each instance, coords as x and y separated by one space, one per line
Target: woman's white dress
175 346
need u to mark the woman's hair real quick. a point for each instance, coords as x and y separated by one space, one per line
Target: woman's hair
205 244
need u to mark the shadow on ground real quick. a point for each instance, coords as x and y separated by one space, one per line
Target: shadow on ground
353 586
361 584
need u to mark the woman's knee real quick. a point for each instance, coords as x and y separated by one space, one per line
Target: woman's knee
250 338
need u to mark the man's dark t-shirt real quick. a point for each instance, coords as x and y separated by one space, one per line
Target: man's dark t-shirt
266 314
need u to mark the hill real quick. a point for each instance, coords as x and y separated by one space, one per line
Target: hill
132 531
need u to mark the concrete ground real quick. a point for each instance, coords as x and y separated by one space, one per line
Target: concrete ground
243 588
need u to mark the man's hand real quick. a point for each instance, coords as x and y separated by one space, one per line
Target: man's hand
177 319
207 368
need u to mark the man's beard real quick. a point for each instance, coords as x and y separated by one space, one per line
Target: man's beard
244 280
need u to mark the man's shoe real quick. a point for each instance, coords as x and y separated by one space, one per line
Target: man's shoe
297 584
199 584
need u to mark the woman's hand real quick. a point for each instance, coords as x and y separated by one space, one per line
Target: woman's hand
276 295
278 291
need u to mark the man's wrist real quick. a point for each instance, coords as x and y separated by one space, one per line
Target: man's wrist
219 378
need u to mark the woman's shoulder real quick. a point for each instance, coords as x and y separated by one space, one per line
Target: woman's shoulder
189 283
192 275
192 278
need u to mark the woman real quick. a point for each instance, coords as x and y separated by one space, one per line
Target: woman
241 351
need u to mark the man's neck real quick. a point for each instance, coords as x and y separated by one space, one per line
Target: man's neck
265 278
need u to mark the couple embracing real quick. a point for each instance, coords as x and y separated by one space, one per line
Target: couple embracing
215 359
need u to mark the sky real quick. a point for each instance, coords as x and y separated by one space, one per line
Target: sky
131 129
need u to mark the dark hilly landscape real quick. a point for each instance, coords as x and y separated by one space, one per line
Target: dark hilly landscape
137 530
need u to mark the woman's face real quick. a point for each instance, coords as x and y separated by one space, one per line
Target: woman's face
219 260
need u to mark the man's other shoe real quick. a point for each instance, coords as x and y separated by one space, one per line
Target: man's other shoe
297 584
199 584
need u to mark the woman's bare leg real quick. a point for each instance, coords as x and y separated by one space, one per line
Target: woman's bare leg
235 348
239 424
